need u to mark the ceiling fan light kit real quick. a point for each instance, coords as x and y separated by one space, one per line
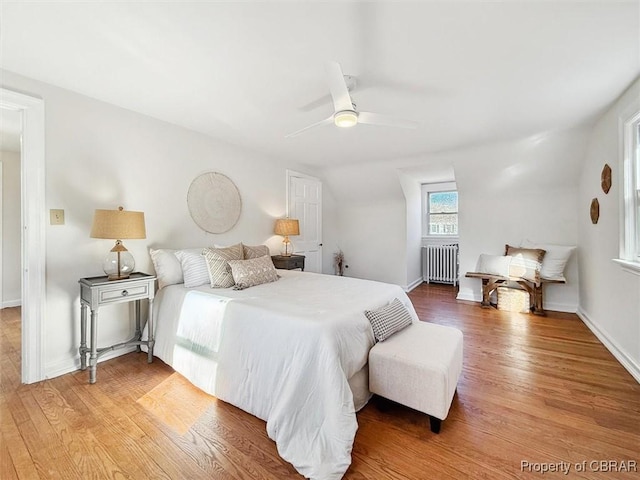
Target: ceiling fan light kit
345 119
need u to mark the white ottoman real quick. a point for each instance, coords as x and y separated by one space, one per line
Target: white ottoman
419 368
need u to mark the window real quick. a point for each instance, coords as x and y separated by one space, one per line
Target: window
630 244
442 213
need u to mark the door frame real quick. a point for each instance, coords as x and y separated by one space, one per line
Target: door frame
32 169
1 232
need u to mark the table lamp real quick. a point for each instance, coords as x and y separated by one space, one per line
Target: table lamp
286 227
117 225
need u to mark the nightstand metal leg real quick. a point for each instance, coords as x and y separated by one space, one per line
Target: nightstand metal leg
93 358
83 337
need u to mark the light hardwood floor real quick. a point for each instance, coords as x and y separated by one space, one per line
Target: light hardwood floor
537 390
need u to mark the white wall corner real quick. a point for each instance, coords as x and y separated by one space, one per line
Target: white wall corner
625 360
412 285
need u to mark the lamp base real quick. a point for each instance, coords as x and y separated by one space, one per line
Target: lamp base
287 247
119 263
118 277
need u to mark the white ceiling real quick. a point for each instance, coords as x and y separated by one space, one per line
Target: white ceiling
250 72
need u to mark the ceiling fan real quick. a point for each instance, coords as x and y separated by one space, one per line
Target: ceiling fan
345 114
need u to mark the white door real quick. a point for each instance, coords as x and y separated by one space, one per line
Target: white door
305 204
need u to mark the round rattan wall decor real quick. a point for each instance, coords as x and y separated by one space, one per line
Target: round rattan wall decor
214 202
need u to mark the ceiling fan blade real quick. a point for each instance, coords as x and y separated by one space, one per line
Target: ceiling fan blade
338 87
385 120
317 124
317 103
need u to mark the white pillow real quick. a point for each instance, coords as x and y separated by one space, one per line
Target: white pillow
194 267
494 264
554 261
167 266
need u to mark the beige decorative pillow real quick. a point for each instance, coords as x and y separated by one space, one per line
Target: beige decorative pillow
255 251
252 272
218 264
525 262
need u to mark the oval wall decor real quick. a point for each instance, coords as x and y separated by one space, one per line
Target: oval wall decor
594 211
214 202
605 178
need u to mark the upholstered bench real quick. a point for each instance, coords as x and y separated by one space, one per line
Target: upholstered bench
418 367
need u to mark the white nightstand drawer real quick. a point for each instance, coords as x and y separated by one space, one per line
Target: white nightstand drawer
129 292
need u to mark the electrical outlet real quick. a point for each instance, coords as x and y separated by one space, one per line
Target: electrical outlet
56 216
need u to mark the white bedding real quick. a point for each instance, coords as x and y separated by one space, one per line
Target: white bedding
284 352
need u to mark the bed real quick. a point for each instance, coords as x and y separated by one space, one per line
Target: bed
292 352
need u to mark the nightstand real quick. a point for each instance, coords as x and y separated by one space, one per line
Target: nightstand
96 292
288 263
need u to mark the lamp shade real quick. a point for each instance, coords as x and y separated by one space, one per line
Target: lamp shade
287 226
118 224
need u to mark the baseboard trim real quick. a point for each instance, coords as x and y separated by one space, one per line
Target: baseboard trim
69 365
413 285
625 360
12 303
561 307
469 296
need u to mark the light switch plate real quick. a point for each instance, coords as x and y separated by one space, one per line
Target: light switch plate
56 216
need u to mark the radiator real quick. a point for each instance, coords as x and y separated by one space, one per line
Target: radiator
440 264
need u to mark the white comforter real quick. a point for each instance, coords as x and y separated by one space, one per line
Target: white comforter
282 351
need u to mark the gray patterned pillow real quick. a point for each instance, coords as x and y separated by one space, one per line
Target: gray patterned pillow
218 264
389 319
255 252
252 272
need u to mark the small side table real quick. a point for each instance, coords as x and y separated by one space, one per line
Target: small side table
288 263
96 292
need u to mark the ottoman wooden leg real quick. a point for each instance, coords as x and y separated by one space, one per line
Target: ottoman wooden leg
435 424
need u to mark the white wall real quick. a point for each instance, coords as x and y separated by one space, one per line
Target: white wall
370 219
508 192
102 156
609 296
11 239
516 191
413 201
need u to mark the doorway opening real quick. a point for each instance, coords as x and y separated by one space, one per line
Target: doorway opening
32 229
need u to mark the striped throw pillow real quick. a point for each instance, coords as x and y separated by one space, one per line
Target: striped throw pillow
194 268
218 264
389 319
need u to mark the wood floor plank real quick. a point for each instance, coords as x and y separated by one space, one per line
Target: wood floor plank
537 389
